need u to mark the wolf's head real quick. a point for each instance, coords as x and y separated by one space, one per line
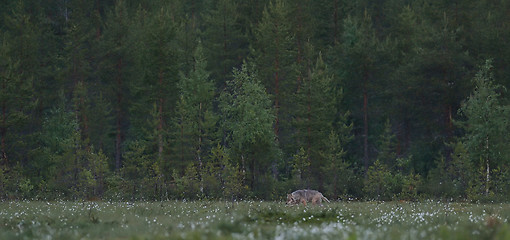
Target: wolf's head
291 199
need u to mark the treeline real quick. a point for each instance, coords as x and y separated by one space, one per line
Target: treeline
149 99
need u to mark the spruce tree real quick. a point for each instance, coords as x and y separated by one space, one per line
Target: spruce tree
315 115
79 70
360 65
224 40
116 69
431 79
195 120
337 168
158 63
19 69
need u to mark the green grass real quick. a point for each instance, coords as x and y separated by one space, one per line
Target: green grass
252 220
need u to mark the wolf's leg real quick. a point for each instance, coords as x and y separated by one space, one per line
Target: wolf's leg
316 200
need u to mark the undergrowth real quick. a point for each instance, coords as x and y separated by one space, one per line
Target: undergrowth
252 220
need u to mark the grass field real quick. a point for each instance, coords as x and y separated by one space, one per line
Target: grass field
252 220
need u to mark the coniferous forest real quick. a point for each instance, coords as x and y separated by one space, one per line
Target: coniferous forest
252 99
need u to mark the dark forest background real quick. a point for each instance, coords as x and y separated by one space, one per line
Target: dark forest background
226 99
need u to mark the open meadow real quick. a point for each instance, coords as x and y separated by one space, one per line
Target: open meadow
252 220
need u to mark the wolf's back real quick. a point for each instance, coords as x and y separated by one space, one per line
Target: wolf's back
305 194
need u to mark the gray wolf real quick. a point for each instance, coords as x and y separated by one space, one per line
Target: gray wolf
304 196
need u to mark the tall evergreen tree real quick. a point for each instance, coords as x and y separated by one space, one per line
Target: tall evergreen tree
19 67
315 114
224 40
195 120
158 60
386 148
79 70
430 82
273 51
337 168
359 64
116 67
487 34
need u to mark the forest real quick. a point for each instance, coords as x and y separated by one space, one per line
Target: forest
229 99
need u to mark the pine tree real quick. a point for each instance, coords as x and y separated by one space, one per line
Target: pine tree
18 70
485 36
224 40
359 64
116 62
158 61
195 120
328 16
79 70
273 51
315 114
64 164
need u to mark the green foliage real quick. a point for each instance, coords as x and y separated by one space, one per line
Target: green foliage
383 183
129 99
195 130
341 178
155 92
461 169
300 169
247 120
274 48
4 181
480 189
141 172
98 169
224 41
440 184
380 184
219 178
191 182
233 179
315 117
18 72
273 51
387 149
485 125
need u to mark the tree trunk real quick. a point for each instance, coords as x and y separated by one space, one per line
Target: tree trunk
3 129
3 132
160 116
365 124
276 100
199 148
488 167
224 57
84 118
335 22
118 137
276 84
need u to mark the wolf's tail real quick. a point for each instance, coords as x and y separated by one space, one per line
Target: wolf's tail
325 199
